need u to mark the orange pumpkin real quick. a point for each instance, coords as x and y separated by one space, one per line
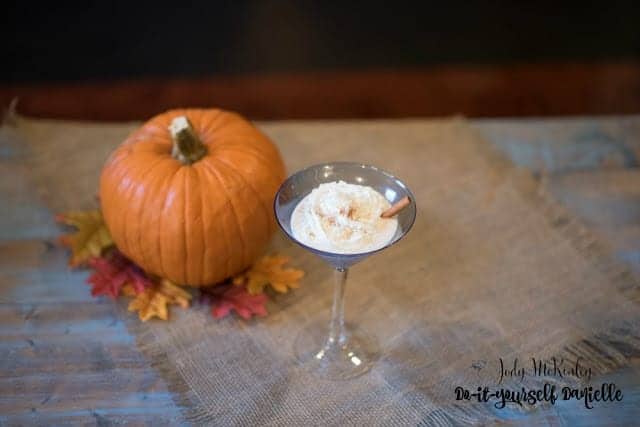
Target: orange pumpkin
189 195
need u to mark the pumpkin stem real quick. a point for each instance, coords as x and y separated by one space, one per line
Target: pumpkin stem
187 147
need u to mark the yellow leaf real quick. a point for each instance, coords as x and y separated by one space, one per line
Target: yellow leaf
91 237
153 301
175 294
269 271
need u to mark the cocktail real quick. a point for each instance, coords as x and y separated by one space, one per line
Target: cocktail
342 212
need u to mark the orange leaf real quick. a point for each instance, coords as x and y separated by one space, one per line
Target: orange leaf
90 239
153 302
269 271
128 291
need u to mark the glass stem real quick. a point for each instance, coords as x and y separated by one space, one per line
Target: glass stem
336 327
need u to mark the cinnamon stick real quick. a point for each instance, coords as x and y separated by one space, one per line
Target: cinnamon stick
396 207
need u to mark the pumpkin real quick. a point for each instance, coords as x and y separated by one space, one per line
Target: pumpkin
188 196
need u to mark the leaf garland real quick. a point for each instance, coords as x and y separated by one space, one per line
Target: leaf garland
115 275
90 238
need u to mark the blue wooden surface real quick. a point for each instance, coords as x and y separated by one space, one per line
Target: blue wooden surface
67 358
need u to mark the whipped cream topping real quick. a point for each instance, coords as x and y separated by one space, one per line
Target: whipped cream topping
343 218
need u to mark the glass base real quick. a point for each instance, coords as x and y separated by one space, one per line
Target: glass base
349 357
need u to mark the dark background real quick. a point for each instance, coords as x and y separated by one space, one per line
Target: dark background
242 51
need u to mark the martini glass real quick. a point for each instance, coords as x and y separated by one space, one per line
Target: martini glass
336 350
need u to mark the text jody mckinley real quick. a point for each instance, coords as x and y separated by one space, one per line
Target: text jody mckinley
553 367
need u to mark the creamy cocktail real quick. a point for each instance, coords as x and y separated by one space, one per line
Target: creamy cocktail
343 218
343 213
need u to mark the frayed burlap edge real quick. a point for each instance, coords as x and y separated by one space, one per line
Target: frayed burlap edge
607 350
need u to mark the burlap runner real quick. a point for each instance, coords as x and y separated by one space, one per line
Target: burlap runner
492 269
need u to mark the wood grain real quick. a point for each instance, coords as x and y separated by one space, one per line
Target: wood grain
541 89
65 357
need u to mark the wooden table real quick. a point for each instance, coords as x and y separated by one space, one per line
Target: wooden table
54 370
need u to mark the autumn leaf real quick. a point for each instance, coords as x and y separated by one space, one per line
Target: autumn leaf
113 272
227 298
90 239
153 301
128 291
269 271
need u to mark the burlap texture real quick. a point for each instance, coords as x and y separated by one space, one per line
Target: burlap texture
492 269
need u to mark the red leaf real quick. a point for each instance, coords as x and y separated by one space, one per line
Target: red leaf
226 298
112 272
